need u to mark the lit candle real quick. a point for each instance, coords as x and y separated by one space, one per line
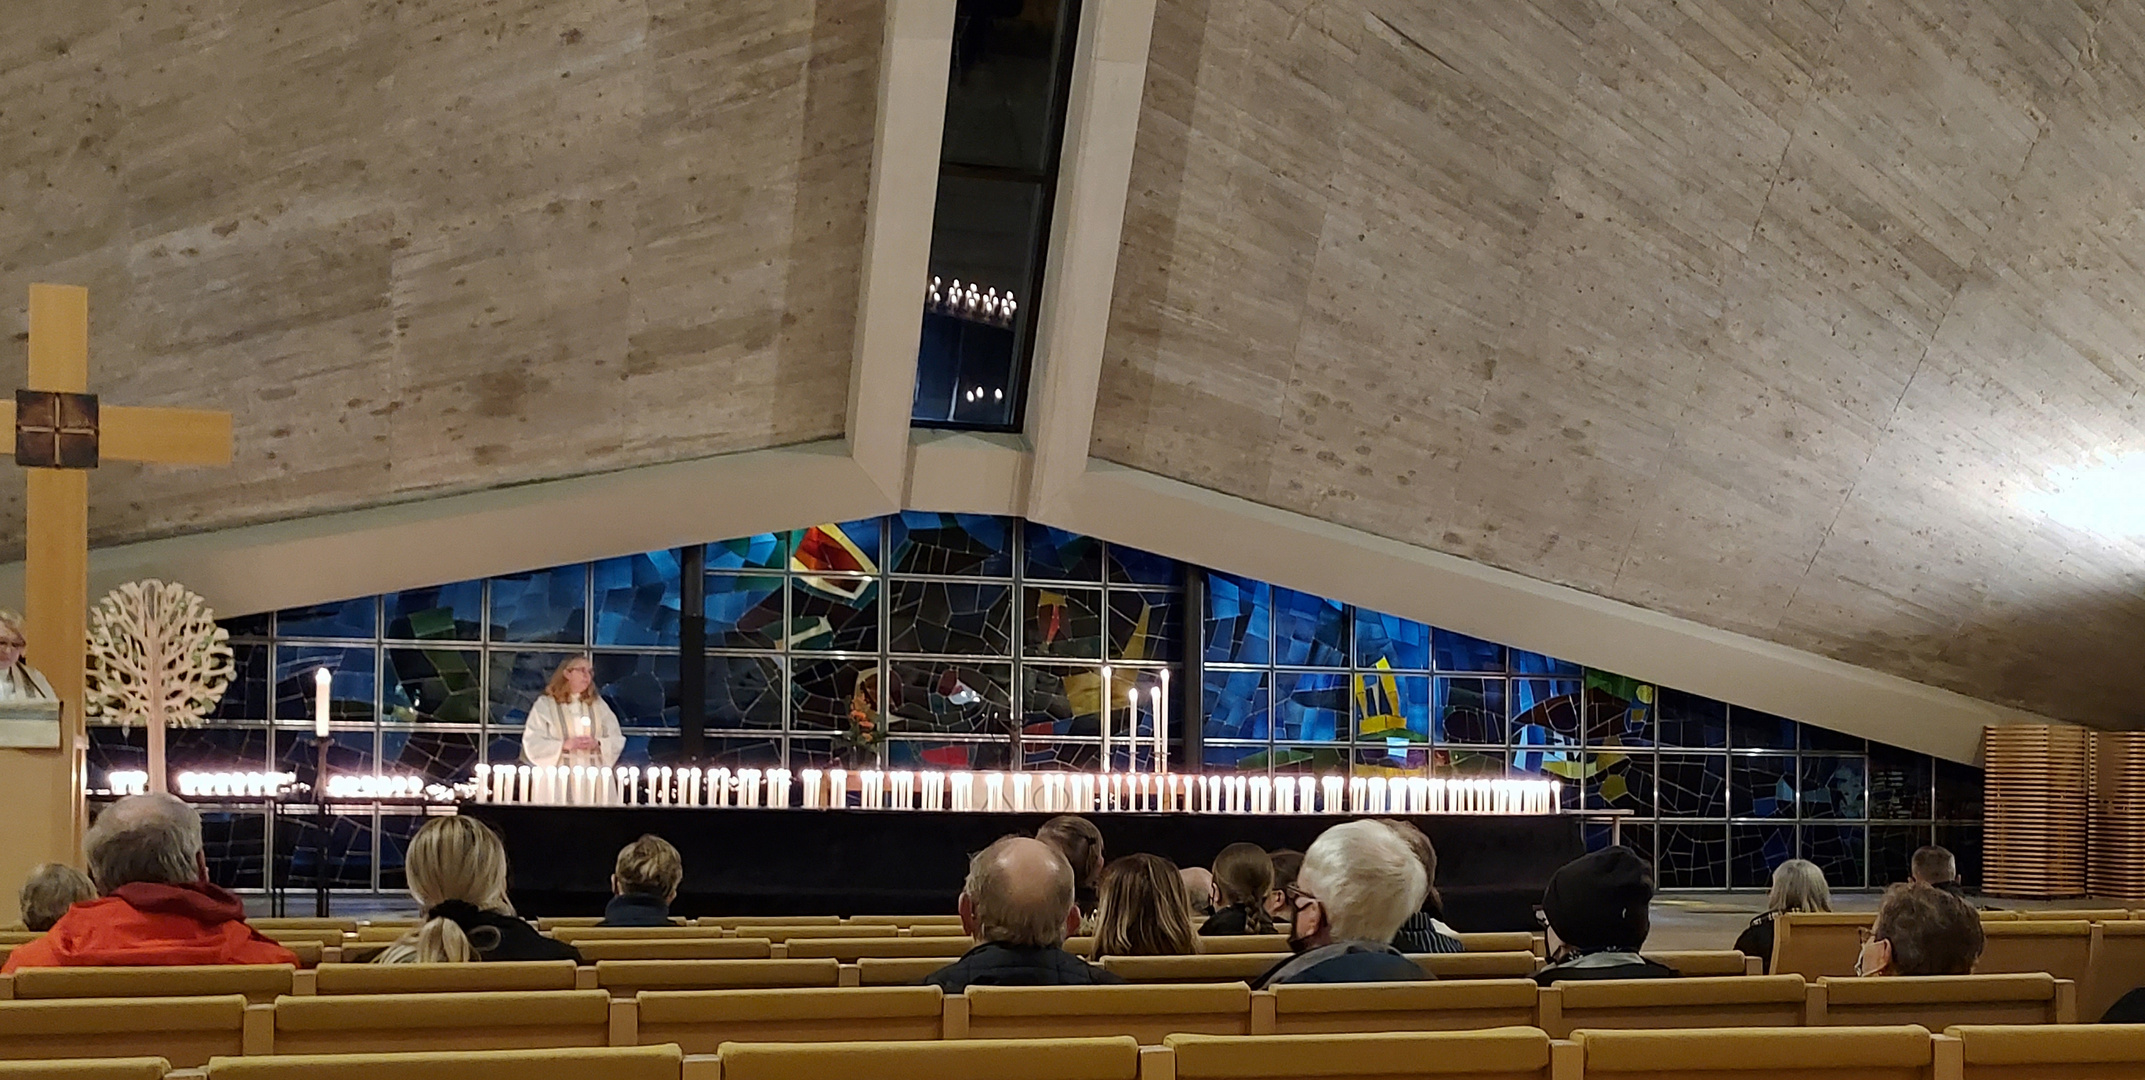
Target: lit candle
1161 725
934 784
748 786
1378 805
1023 788
1154 717
484 783
1262 795
1556 796
1330 792
838 788
1107 723
322 679
994 792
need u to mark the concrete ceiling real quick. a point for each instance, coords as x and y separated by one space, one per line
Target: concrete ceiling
1775 316
432 247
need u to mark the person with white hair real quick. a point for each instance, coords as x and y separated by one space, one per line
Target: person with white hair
158 907
1798 885
18 680
1358 884
1018 904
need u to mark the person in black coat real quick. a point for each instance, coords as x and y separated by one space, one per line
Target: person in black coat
1359 883
1596 909
645 881
1019 905
457 872
1798 885
1243 875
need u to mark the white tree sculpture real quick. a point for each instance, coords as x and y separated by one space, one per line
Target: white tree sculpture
157 657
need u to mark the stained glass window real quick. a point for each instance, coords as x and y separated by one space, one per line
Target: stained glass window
976 545
1309 631
1391 641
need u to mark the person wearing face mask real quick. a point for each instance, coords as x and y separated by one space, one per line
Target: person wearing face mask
1921 930
570 724
1359 883
1596 910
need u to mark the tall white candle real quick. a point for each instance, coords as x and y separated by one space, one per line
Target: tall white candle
322 680
484 783
1106 720
1023 791
1376 795
838 788
1161 725
748 786
1154 719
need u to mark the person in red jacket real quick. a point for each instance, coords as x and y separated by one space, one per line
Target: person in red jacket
157 907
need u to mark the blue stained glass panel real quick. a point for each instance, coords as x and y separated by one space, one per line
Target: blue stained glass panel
1146 625
1238 620
1749 729
851 547
1235 705
1309 631
947 617
1838 851
1475 764
1458 652
296 752
1534 663
1547 761
1619 711
1620 781
396 832
934 697
544 606
1891 851
248 626
345 850
440 613
113 749
1694 786
744 692
213 749
642 688
1762 787
1692 856
968 545
1057 555
638 600
954 755
236 847
247 696
765 551
516 679
351 693
1236 757
744 611
1062 701
1470 711
434 686
1391 640
1393 710
1311 706
1131 566
1547 711
341 619
1755 850
443 757
828 694
1692 721
1835 787
834 614
1062 622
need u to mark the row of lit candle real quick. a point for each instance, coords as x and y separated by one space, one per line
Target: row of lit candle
211 785
1158 711
1012 792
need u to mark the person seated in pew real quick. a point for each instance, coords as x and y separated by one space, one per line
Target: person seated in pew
49 891
1425 931
1242 877
1018 905
1199 888
1921 930
158 907
1597 911
1798 885
1080 842
1937 868
1287 864
1359 883
457 873
1143 910
644 882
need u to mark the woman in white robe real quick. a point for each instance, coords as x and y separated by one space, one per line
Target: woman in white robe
570 724
18 680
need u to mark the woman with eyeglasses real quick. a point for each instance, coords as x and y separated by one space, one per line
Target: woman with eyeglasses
570 723
18 680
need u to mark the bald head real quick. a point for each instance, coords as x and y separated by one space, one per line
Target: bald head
1198 888
1019 892
152 838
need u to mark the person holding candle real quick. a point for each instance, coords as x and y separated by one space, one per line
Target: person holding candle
570 724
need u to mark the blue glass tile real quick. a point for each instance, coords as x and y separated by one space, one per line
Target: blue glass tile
541 606
1236 757
351 752
1533 663
1235 705
1057 555
1762 787
1309 631
342 619
1891 851
1620 781
744 611
1473 764
1549 708
1238 620
1692 721
1692 856
829 694
1694 785
222 749
765 551
1838 851
1749 729
1390 640
638 600
1835 787
236 847
642 688
744 692
248 626
969 545
247 697
440 613
1470 711
444 757
1063 701
351 693
1131 566
1458 652
1311 706
1755 850
396 832
304 851
114 749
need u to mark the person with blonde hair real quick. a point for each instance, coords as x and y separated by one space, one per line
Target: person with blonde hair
456 868
18 680
1243 875
1143 910
570 723
644 882
49 891
1798 885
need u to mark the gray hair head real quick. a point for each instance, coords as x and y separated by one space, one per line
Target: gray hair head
1367 879
49 891
153 838
1022 890
1799 885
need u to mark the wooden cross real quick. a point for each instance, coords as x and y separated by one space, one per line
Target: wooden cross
61 432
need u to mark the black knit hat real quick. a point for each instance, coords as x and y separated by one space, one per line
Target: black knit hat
1599 901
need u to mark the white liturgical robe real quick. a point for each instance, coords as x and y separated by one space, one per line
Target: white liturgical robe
24 683
552 722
